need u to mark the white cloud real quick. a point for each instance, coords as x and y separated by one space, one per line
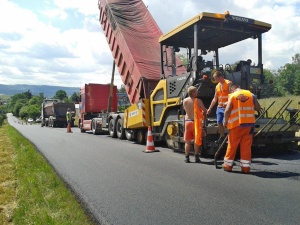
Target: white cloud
54 13
88 7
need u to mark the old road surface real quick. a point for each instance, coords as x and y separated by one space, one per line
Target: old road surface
120 184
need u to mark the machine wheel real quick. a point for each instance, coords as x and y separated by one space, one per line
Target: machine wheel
120 129
141 137
172 129
112 128
94 130
129 135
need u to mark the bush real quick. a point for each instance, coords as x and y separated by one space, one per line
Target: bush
2 118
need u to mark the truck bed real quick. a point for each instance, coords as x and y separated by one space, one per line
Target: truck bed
133 37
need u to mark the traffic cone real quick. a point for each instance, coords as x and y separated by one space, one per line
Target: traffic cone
69 128
150 143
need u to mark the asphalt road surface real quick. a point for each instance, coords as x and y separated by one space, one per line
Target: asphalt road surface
119 184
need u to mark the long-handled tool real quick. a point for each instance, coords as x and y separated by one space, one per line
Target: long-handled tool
218 152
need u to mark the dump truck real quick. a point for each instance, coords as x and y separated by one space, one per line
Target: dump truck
96 100
53 113
156 81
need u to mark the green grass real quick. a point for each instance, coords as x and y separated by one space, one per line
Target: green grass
279 102
30 190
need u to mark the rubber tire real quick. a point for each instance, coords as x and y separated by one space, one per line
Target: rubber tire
120 130
129 134
141 137
112 128
93 127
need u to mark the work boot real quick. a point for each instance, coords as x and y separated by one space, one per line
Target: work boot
227 168
187 159
245 170
197 159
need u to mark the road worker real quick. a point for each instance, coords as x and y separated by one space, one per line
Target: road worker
239 120
194 109
221 96
69 120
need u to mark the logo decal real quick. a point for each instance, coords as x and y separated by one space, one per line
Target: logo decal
242 98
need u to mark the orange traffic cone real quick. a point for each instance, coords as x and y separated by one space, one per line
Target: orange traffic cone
150 143
69 128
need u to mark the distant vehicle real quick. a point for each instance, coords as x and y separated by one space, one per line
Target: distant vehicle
38 120
54 113
30 120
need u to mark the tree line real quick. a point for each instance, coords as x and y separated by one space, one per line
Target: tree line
286 80
25 105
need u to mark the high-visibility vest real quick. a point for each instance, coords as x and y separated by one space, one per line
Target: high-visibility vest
243 109
222 92
198 122
68 116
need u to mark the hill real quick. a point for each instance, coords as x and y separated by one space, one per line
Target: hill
49 91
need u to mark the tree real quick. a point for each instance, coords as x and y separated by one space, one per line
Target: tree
183 59
35 100
27 95
287 75
33 111
296 87
23 113
269 87
17 107
60 94
122 89
74 97
296 59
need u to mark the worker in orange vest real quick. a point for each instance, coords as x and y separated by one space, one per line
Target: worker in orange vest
221 96
239 120
194 109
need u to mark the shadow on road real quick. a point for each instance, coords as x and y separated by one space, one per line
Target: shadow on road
276 174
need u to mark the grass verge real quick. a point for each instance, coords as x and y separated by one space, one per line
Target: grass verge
30 190
279 102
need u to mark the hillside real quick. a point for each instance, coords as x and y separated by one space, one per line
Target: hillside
49 91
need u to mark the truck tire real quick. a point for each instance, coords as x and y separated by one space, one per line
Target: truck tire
112 128
94 125
141 137
129 135
120 130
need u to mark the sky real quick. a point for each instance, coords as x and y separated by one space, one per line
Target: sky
61 42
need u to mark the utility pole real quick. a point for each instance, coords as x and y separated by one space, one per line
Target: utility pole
111 87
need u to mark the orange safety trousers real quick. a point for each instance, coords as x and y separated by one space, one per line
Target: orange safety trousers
198 118
239 136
